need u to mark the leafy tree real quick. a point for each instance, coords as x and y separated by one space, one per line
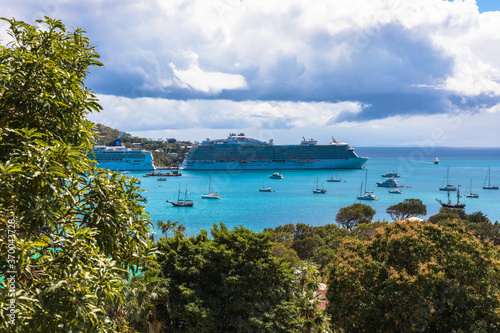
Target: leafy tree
448 214
416 277
307 244
476 222
285 254
308 301
486 231
353 215
231 283
407 208
310 243
367 231
282 234
78 230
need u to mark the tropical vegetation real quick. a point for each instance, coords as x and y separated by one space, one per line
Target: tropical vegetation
81 255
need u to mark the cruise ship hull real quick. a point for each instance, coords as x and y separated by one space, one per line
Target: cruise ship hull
125 165
356 163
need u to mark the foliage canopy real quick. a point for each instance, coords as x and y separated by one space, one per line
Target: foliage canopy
79 230
415 277
231 283
353 215
407 208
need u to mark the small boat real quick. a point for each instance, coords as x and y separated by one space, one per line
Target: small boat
396 191
182 202
317 190
367 195
391 182
489 186
452 205
210 195
448 187
392 174
436 160
276 176
125 172
469 191
264 188
142 199
160 179
333 180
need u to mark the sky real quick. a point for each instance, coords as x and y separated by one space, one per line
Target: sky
370 73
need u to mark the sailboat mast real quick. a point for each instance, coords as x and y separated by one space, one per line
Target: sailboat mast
209 182
489 176
366 179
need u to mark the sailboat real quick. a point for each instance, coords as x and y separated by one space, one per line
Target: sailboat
489 186
264 188
182 202
451 205
318 190
333 180
470 194
448 187
367 195
210 195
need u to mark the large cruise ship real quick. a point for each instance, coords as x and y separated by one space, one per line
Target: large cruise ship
245 153
117 157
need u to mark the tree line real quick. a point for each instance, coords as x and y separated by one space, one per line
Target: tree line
82 256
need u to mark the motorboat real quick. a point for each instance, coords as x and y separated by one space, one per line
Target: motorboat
276 176
391 182
392 174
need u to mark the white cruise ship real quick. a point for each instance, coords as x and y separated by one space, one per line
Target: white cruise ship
117 157
245 153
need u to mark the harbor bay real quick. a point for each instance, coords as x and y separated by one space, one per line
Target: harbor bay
292 200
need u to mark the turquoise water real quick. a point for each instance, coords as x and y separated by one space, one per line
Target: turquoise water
294 202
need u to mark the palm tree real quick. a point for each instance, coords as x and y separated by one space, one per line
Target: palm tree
175 227
308 301
140 299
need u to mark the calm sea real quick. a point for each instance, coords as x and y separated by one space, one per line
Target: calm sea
294 202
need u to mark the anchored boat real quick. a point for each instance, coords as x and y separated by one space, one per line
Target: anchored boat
489 186
182 202
452 205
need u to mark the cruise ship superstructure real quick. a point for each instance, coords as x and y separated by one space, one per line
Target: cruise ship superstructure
117 157
240 152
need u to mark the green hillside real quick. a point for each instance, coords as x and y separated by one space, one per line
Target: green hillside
163 150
